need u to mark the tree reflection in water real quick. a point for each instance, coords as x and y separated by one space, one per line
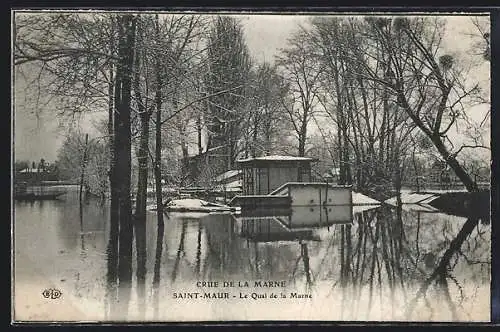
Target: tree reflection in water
304 253
385 256
387 264
141 254
157 268
442 272
180 251
198 250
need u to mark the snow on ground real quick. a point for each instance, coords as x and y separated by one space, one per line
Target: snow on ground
186 215
360 199
151 207
276 157
196 205
164 190
187 203
413 198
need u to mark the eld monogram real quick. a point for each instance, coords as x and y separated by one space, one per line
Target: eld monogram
52 293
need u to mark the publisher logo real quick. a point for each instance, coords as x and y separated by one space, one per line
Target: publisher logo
52 293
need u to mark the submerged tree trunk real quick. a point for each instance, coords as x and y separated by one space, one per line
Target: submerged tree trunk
121 167
84 163
141 197
156 271
142 179
114 211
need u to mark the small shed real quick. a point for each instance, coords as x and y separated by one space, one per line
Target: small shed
261 175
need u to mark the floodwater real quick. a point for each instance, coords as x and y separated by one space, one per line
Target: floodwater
383 264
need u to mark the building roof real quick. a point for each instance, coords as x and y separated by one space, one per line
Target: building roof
227 175
277 158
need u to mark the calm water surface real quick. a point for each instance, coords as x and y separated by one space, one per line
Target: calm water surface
383 264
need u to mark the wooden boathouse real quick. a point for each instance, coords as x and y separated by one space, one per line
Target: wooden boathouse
262 175
281 182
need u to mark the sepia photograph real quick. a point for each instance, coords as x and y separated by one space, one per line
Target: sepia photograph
184 166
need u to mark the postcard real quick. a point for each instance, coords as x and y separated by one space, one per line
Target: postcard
175 166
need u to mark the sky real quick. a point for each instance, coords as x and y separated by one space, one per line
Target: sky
265 42
40 137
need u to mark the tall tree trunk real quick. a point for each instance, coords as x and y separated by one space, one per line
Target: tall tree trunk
157 165
302 149
232 147
84 163
254 140
268 144
157 168
182 127
346 158
199 132
142 178
341 179
303 136
436 139
122 144
345 177
114 209
141 197
302 146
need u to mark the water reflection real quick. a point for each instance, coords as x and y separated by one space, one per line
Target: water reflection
371 264
157 269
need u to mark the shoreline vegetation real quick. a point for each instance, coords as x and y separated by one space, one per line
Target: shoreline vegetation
376 103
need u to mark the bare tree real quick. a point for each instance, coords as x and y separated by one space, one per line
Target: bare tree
427 87
228 68
302 75
482 37
371 131
122 142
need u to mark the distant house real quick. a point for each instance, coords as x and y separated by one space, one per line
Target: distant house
32 171
261 175
33 175
202 168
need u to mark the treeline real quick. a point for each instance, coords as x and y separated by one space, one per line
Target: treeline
383 93
372 86
160 77
42 168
